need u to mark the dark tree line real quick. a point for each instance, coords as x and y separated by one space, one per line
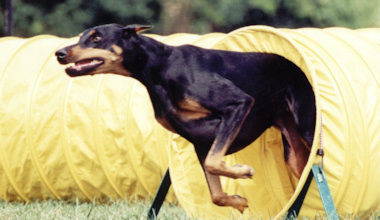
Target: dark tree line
69 17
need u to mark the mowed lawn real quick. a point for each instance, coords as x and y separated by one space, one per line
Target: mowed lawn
76 210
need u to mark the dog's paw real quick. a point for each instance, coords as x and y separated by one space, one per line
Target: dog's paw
239 203
234 201
243 171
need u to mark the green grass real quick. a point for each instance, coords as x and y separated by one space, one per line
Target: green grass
59 210
63 210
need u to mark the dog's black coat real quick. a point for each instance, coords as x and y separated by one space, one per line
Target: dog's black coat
221 101
221 78
218 80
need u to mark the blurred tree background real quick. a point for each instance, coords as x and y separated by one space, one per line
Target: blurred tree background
70 17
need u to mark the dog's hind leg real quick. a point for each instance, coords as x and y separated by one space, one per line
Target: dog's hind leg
230 125
298 152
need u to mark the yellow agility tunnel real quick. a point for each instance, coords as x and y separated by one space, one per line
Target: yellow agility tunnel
88 138
64 138
96 137
343 68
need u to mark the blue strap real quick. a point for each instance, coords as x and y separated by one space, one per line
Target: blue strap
317 172
324 191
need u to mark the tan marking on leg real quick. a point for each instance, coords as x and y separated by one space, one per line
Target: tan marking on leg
190 115
165 124
190 109
215 165
299 151
221 198
298 155
192 105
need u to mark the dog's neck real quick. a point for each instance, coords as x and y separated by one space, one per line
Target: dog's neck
152 58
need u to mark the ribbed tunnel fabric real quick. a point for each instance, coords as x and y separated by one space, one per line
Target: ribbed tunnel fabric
342 66
95 137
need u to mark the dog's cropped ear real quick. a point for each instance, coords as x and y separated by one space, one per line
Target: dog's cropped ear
133 29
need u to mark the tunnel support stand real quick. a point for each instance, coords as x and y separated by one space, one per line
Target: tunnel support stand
316 171
159 198
324 192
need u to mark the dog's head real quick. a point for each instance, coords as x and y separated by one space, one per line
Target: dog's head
99 50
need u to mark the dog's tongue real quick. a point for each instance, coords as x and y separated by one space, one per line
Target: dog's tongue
85 63
83 66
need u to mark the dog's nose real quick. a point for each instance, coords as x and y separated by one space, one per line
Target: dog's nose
61 54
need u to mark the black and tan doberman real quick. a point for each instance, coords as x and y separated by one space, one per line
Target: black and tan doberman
221 101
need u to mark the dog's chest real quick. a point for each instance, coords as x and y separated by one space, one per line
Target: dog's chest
175 115
164 122
186 110
189 109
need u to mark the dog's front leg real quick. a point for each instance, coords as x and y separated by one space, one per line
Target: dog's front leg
231 122
221 198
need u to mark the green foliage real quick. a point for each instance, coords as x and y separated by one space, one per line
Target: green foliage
348 13
227 15
69 17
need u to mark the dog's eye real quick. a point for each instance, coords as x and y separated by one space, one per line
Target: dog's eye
96 38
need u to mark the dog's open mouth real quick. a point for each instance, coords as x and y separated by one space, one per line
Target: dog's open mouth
84 66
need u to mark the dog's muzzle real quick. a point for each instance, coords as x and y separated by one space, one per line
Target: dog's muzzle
61 56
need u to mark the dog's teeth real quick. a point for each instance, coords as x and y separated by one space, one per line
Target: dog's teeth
95 61
83 64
